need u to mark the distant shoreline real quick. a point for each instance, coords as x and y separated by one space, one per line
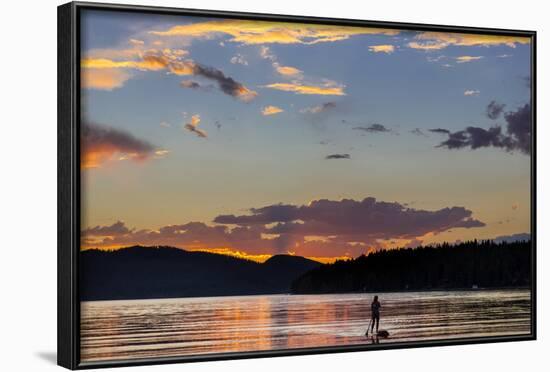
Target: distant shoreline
315 294
464 289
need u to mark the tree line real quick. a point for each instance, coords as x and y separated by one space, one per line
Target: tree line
472 264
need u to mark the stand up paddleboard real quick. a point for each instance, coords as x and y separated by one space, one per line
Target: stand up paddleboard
381 333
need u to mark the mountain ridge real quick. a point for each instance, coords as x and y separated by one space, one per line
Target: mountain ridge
140 272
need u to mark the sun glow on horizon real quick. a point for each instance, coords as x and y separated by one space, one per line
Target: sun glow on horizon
260 258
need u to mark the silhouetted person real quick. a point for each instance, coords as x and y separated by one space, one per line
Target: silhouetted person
375 314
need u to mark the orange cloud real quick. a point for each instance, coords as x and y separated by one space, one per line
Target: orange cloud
428 45
100 144
192 126
262 32
105 79
115 54
271 110
386 48
245 94
93 159
182 68
97 157
287 70
138 50
103 69
168 60
466 59
440 40
149 62
299 88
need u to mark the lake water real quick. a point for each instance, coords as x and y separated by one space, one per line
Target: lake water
112 330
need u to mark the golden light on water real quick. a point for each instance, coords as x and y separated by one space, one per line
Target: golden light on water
193 326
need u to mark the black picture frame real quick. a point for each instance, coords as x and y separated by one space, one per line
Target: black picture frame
68 215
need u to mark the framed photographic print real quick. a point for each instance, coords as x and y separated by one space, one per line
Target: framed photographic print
236 185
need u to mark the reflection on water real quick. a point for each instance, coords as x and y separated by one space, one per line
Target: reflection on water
113 330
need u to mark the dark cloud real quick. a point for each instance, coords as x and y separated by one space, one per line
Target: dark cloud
338 156
225 83
328 105
116 229
519 129
193 126
320 228
100 143
474 138
374 128
192 235
440 130
418 132
353 220
494 110
516 138
191 84
262 216
319 108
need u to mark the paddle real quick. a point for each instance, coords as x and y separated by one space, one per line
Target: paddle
367 334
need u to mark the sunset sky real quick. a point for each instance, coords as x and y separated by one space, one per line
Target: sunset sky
259 138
